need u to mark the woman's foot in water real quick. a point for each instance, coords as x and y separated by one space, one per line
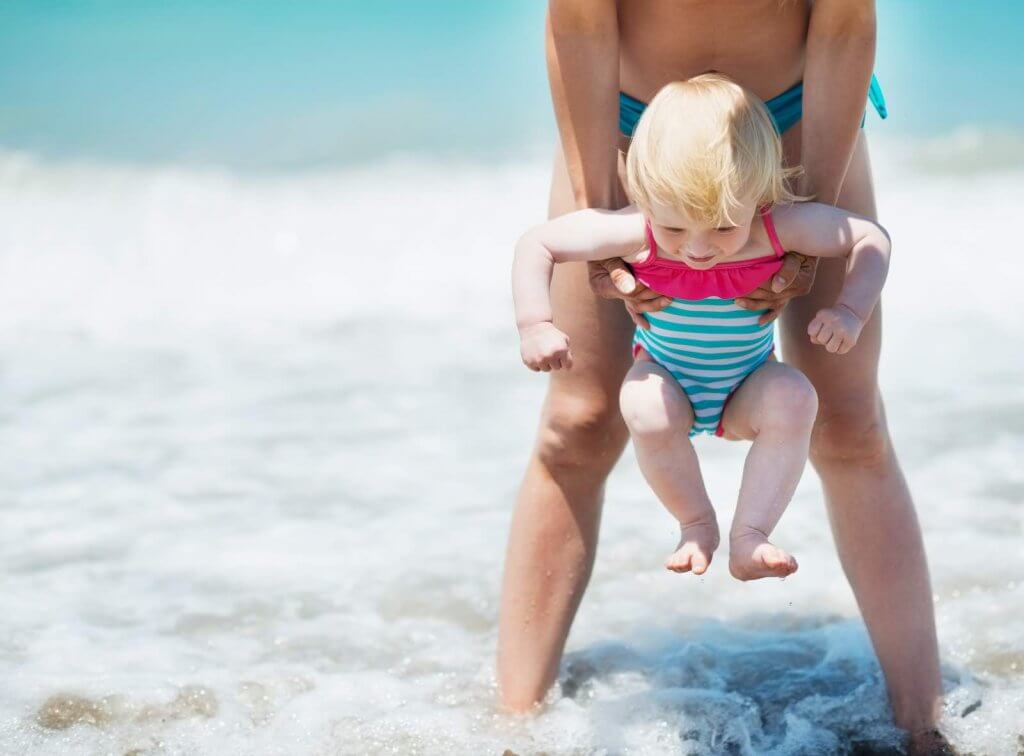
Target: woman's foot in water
930 742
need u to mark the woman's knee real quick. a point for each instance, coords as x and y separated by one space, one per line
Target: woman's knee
852 432
581 433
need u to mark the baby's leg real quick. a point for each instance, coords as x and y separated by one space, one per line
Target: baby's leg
659 418
775 407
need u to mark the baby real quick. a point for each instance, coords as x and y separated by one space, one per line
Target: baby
711 220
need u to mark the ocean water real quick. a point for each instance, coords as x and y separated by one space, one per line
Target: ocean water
262 436
263 420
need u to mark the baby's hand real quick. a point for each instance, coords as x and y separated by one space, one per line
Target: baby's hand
544 347
836 328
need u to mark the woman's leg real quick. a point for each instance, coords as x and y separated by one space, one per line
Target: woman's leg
554 528
876 531
775 408
659 417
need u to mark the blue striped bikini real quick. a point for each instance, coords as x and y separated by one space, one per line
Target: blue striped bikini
707 342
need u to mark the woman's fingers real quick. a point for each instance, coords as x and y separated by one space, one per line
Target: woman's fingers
611 279
787 273
757 299
638 319
600 282
654 304
793 279
769 316
625 283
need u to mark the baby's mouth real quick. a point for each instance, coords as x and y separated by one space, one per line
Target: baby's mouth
698 260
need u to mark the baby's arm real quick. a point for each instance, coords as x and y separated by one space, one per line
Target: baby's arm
584 235
821 230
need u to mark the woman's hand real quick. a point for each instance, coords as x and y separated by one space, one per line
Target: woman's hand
612 279
544 348
794 279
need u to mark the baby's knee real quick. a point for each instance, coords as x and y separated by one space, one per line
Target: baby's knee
581 433
651 409
851 432
790 402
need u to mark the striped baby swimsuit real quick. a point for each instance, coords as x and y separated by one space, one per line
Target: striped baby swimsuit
708 343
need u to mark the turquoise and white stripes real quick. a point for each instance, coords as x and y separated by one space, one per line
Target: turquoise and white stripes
709 346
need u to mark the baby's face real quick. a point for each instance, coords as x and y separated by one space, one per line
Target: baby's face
679 237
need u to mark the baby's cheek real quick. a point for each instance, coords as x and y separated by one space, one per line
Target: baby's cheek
738 243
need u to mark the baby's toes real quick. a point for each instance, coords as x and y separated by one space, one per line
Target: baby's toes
679 561
698 563
784 564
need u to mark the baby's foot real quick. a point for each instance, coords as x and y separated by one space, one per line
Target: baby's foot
697 542
751 556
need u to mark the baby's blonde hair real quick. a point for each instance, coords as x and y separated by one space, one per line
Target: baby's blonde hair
705 146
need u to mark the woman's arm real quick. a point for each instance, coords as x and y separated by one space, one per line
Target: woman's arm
837 73
583 71
812 228
582 44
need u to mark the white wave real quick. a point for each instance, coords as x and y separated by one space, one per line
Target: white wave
102 247
111 248
965 151
263 436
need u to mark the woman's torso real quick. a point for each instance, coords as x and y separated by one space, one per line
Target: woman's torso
759 43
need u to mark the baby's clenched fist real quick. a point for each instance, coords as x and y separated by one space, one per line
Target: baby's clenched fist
544 347
836 328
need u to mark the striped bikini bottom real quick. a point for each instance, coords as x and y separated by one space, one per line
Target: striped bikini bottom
709 346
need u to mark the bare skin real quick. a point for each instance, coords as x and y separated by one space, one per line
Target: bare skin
775 409
638 48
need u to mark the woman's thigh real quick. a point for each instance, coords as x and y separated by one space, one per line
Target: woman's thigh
850 379
599 329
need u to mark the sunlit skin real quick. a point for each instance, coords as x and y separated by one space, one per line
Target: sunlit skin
659 424
703 246
596 49
775 406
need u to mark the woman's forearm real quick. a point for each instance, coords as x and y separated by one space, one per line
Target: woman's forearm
837 73
582 41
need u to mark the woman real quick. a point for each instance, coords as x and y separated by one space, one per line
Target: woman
596 50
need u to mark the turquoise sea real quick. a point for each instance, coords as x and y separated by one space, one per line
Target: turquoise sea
284 85
263 419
